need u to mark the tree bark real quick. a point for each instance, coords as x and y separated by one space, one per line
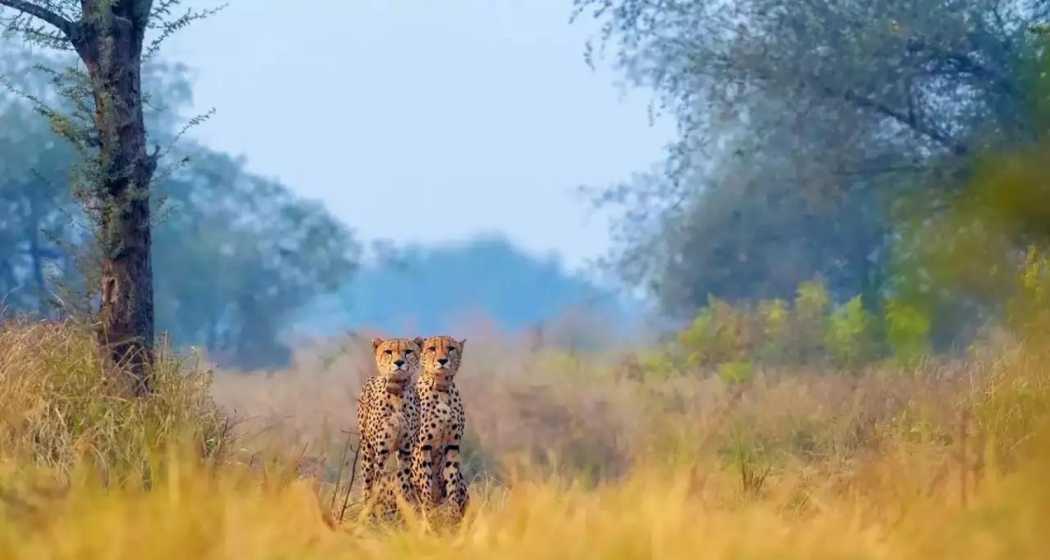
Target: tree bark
112 53
109 39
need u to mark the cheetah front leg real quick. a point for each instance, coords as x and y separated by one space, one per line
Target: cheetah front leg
368 471
404 471
381 499
455 483
423 467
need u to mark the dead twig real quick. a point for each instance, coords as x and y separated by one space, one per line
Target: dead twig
353 475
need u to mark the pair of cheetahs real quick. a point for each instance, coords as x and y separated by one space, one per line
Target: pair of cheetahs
413 424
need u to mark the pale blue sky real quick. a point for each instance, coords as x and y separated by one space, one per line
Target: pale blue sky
424 121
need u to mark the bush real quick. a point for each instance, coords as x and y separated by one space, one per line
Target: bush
810 317
850 335
736 373
1029 309
907 331
658 364
774 317
62 407
720 333
808 331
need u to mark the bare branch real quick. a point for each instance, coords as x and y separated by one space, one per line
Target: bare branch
904 119
162 19
64 25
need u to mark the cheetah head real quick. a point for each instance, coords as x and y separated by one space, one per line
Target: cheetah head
441 357
397 358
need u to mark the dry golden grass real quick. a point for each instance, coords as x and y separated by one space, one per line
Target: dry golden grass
570 460
59 405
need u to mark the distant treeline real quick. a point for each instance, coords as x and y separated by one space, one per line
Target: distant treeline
236 255
435 289
239 259
833 140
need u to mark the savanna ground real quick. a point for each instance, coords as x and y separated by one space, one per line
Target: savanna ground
572 455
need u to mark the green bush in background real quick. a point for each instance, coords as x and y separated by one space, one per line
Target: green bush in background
850 337
731 339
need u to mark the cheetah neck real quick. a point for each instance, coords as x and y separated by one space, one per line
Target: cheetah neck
396 386
438 381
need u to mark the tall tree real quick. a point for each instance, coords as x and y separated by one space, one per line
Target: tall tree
277 252
109 37
835 106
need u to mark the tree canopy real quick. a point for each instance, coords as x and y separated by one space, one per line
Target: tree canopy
236 255
803 125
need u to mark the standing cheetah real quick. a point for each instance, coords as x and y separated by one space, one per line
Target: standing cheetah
436 470
387 419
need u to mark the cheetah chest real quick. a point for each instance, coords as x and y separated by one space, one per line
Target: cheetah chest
402 416
443 417
393 420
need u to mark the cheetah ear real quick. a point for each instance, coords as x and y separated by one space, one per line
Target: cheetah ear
462 343
419 341
376 342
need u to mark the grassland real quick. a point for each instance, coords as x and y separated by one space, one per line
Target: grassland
572 455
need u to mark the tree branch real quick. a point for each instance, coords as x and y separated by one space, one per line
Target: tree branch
64 25
907 120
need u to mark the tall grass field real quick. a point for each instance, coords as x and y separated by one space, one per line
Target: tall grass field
583 454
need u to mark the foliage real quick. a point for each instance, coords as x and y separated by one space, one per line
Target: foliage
802 126
809 465
62 410
850 338
978 260
736 373
812 303
810 331
276 252
774 316
718 334
907 331
659 363
1030 308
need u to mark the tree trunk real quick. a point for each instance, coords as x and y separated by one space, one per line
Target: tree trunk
112 54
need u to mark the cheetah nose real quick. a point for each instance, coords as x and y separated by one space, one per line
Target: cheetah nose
442 361
399 363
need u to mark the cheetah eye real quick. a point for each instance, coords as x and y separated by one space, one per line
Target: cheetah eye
408 352
389 352
432 349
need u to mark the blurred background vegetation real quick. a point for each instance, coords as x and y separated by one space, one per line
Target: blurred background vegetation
848 247
851 181
245 268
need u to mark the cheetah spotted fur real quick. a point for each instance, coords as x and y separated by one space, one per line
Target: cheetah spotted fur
436 473
387 420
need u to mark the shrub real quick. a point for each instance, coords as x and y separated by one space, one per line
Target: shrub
774 318
658 364
850 337
736 373
1029 309
62 406
811 310
719 333
907 331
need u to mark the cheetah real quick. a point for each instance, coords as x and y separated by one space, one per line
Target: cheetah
436 472
387 420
